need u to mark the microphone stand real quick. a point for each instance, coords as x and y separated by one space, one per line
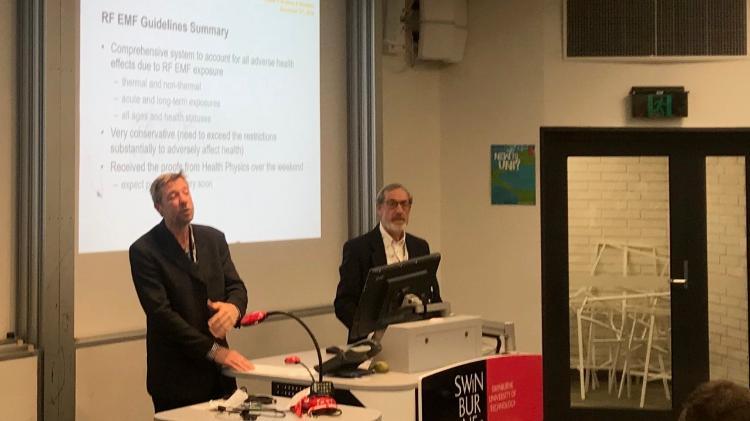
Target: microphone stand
317 388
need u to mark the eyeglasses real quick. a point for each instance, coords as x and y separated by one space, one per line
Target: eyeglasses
393 204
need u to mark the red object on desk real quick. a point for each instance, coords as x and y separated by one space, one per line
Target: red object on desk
316 405
292 359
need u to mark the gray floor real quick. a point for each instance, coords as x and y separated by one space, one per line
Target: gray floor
655 398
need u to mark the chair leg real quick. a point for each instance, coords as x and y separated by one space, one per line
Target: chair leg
664 378
580 355
622 376
627 360
588 358
647 362
613 370
599 251
593 367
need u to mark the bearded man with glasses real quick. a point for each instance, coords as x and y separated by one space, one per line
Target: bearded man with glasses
387 243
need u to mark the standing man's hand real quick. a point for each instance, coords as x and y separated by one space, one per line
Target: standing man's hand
232 359
224 318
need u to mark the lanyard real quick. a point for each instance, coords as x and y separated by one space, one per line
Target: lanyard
193 253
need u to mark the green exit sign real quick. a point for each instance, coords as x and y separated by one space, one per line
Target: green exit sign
658 102
659 105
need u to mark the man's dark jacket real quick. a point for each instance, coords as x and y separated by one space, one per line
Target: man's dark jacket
360 254
174 291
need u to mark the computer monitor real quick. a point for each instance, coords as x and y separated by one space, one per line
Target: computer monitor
385 288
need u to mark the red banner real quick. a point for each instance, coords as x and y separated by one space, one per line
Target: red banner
514 388
500 387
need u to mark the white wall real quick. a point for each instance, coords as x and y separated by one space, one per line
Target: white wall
411 141
8 136
111 383
18 389
494 96
491 254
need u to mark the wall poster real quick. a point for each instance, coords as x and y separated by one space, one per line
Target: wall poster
513 174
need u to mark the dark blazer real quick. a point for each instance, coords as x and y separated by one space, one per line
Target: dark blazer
173 292
359 256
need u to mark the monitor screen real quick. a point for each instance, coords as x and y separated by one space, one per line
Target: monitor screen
385 289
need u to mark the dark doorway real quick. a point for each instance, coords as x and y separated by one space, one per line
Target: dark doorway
644 258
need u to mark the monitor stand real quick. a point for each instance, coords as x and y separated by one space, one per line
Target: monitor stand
441 309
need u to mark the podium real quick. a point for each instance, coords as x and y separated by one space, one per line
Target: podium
430 344
502 387
424 358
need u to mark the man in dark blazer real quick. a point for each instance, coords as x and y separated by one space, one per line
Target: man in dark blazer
192 295
387 243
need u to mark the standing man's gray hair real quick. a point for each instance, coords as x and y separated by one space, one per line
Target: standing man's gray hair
158 184
380 198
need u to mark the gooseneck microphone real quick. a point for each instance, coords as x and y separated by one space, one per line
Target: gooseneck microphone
293 359
319 387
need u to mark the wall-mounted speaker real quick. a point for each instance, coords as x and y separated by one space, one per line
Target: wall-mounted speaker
435 30
442 30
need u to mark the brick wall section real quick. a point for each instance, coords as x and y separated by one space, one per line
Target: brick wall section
620 200
727 269
625 200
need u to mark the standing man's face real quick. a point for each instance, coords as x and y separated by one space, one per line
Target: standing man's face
176 205
394 212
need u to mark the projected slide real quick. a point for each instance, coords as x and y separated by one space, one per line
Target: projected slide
227 91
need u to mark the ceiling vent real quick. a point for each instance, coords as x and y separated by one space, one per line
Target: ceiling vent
655 28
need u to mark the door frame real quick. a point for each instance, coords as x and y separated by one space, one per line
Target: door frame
686 150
